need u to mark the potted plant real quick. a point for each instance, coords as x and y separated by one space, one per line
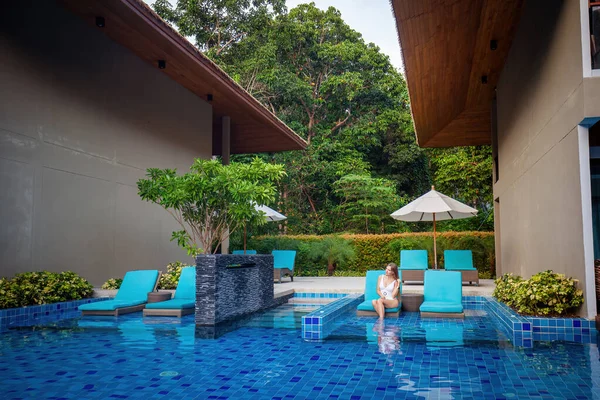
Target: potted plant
212 200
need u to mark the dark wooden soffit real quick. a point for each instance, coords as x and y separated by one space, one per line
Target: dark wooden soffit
446 50
137 27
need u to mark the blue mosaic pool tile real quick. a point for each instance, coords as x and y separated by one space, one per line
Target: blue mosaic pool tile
40 314
523 328
320 323
310 295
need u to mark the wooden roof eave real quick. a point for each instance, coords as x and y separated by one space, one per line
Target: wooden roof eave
137 27
446 53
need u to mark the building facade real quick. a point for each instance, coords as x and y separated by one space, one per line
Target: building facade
82 117
530 89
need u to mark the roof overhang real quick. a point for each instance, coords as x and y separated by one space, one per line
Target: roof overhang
135 26
447 51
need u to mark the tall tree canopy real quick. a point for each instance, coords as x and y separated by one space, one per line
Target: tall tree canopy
338 92
217 24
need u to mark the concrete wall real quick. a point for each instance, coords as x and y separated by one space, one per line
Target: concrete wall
81 118
540 102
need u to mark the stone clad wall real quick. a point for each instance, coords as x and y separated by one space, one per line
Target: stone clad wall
223 294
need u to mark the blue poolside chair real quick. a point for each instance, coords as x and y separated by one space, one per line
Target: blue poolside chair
461 260
242 252
283 263
131 297
442 295
365 309
413 263
184 301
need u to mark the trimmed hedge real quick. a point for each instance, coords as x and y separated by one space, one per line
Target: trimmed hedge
32 288
375 251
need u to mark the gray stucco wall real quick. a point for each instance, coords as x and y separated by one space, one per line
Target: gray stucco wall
81 118
540 100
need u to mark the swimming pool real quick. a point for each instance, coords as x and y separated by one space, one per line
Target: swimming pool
135 358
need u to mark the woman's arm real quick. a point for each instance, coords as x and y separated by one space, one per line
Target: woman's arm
396 289
379 291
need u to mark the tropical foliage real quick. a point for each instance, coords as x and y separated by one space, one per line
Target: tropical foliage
332 252
351 105
212 200
170 278
544 294
31 288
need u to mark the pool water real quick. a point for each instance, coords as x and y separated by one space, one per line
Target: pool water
131 357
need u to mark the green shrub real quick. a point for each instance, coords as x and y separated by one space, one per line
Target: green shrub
112 284
332 251
375 251
31 288
544 294
170 279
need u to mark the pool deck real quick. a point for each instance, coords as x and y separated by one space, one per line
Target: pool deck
357 285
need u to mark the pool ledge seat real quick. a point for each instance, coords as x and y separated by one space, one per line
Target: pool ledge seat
365 309
131 297
184 301
442 295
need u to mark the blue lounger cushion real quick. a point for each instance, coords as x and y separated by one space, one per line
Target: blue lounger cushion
284 259
242 252
458 260
442 292
413 259
371 292
185 294
110 305
133 291
439 306
172 304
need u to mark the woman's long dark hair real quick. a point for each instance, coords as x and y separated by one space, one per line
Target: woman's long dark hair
394 268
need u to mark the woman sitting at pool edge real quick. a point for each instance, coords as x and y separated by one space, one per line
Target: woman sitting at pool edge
388 286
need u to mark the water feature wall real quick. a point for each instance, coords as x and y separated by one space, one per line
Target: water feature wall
232 286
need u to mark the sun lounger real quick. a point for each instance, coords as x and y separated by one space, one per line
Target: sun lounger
283 263
413 263
131 297
365 309
184 301
461 260
442 295
242 252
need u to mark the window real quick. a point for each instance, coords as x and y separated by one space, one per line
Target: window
594 12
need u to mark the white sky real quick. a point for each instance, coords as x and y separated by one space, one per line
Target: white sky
372 18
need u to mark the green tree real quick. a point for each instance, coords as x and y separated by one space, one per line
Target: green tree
213 200
342 95
465 173
366 202
218 24
320 77
333 251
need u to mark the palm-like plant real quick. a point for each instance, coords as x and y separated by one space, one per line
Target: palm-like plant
333 251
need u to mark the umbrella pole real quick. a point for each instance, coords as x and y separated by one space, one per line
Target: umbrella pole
434 245
244 238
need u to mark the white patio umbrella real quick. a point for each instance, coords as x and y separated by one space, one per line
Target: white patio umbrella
270 215
434 206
